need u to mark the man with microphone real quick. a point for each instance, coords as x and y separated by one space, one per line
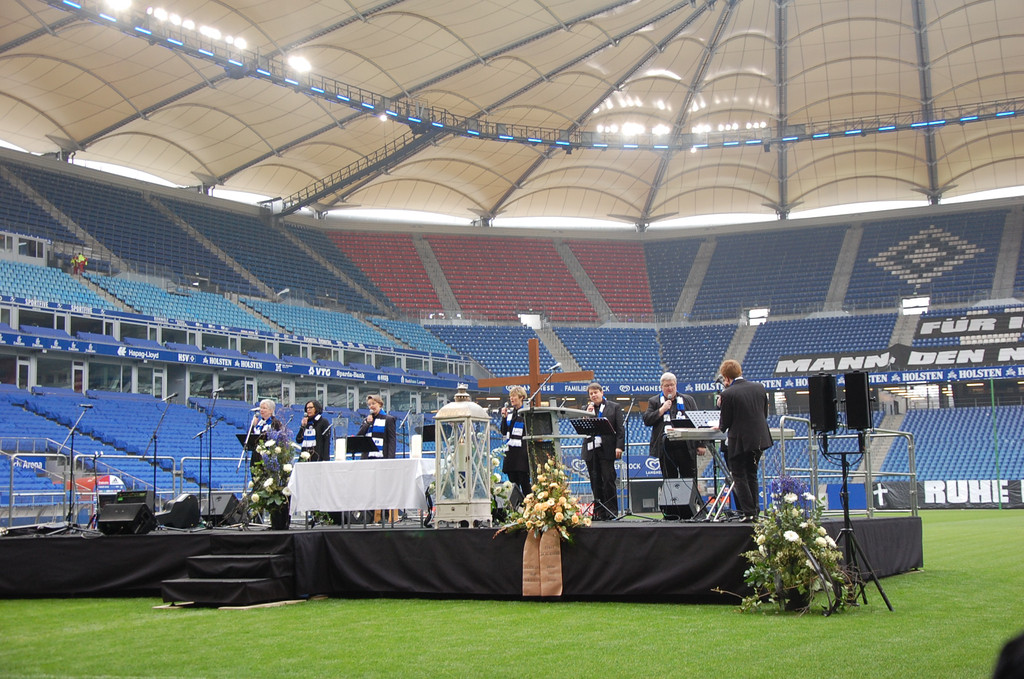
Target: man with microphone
600 453
668 409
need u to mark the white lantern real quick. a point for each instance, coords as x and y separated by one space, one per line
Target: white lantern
463 476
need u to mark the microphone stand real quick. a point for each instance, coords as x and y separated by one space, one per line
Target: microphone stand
209 457
399 428
629 482
153 440
546 380
70 519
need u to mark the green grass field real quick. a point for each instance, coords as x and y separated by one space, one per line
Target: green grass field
950 621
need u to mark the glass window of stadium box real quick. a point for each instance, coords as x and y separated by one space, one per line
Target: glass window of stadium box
53 372
200 383
110 376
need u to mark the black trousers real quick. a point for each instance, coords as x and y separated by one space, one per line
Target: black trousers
743 466
521 479
678 461
602 483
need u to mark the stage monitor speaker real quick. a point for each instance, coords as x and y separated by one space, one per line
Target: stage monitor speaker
858 401
181 512
225 508
678 499
133 497
821 393
126 519
516 498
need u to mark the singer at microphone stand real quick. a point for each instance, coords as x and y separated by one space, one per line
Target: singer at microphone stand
261 425
516 465
601 452
312 436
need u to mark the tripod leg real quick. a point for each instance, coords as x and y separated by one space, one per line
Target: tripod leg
871 571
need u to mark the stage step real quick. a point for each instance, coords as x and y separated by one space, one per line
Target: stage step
228 591
233 580
240 566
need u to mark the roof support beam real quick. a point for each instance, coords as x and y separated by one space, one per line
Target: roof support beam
782 208
924 75
696 84
381 160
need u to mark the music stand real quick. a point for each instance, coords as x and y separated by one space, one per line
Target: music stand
362 445
593 426
703 419
589 427
427 431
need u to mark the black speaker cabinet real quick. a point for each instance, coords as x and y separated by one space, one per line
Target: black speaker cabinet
181 512
126 519
821 393
678 499
858 401
225 508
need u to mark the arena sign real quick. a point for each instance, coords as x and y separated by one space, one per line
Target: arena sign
902 357
75 346
977 327
926 369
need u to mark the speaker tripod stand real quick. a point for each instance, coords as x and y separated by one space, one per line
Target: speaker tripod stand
852 552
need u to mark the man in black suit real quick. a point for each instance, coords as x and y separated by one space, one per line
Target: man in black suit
600 453
678 458
743 418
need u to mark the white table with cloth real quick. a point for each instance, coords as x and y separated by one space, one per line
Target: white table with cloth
399 483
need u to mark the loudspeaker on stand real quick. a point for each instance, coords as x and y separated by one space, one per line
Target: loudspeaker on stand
858 401
678 499
821 394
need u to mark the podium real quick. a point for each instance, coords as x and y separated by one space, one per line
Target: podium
541 435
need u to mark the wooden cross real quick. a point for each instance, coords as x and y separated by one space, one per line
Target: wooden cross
536 378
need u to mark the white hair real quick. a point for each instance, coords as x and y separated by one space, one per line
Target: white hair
270 404
668 376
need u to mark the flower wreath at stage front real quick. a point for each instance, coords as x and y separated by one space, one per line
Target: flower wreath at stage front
550 506
268 489
796 559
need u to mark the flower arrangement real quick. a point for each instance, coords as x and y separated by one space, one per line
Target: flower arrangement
501 491
550 506
795 558
268 489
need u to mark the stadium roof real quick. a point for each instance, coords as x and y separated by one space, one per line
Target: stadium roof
639 110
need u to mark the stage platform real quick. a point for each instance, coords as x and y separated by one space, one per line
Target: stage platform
625 561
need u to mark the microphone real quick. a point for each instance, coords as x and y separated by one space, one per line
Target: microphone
218 390
174 395
546 379
253 410
85 405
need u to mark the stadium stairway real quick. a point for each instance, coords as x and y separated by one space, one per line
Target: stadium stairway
234 579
